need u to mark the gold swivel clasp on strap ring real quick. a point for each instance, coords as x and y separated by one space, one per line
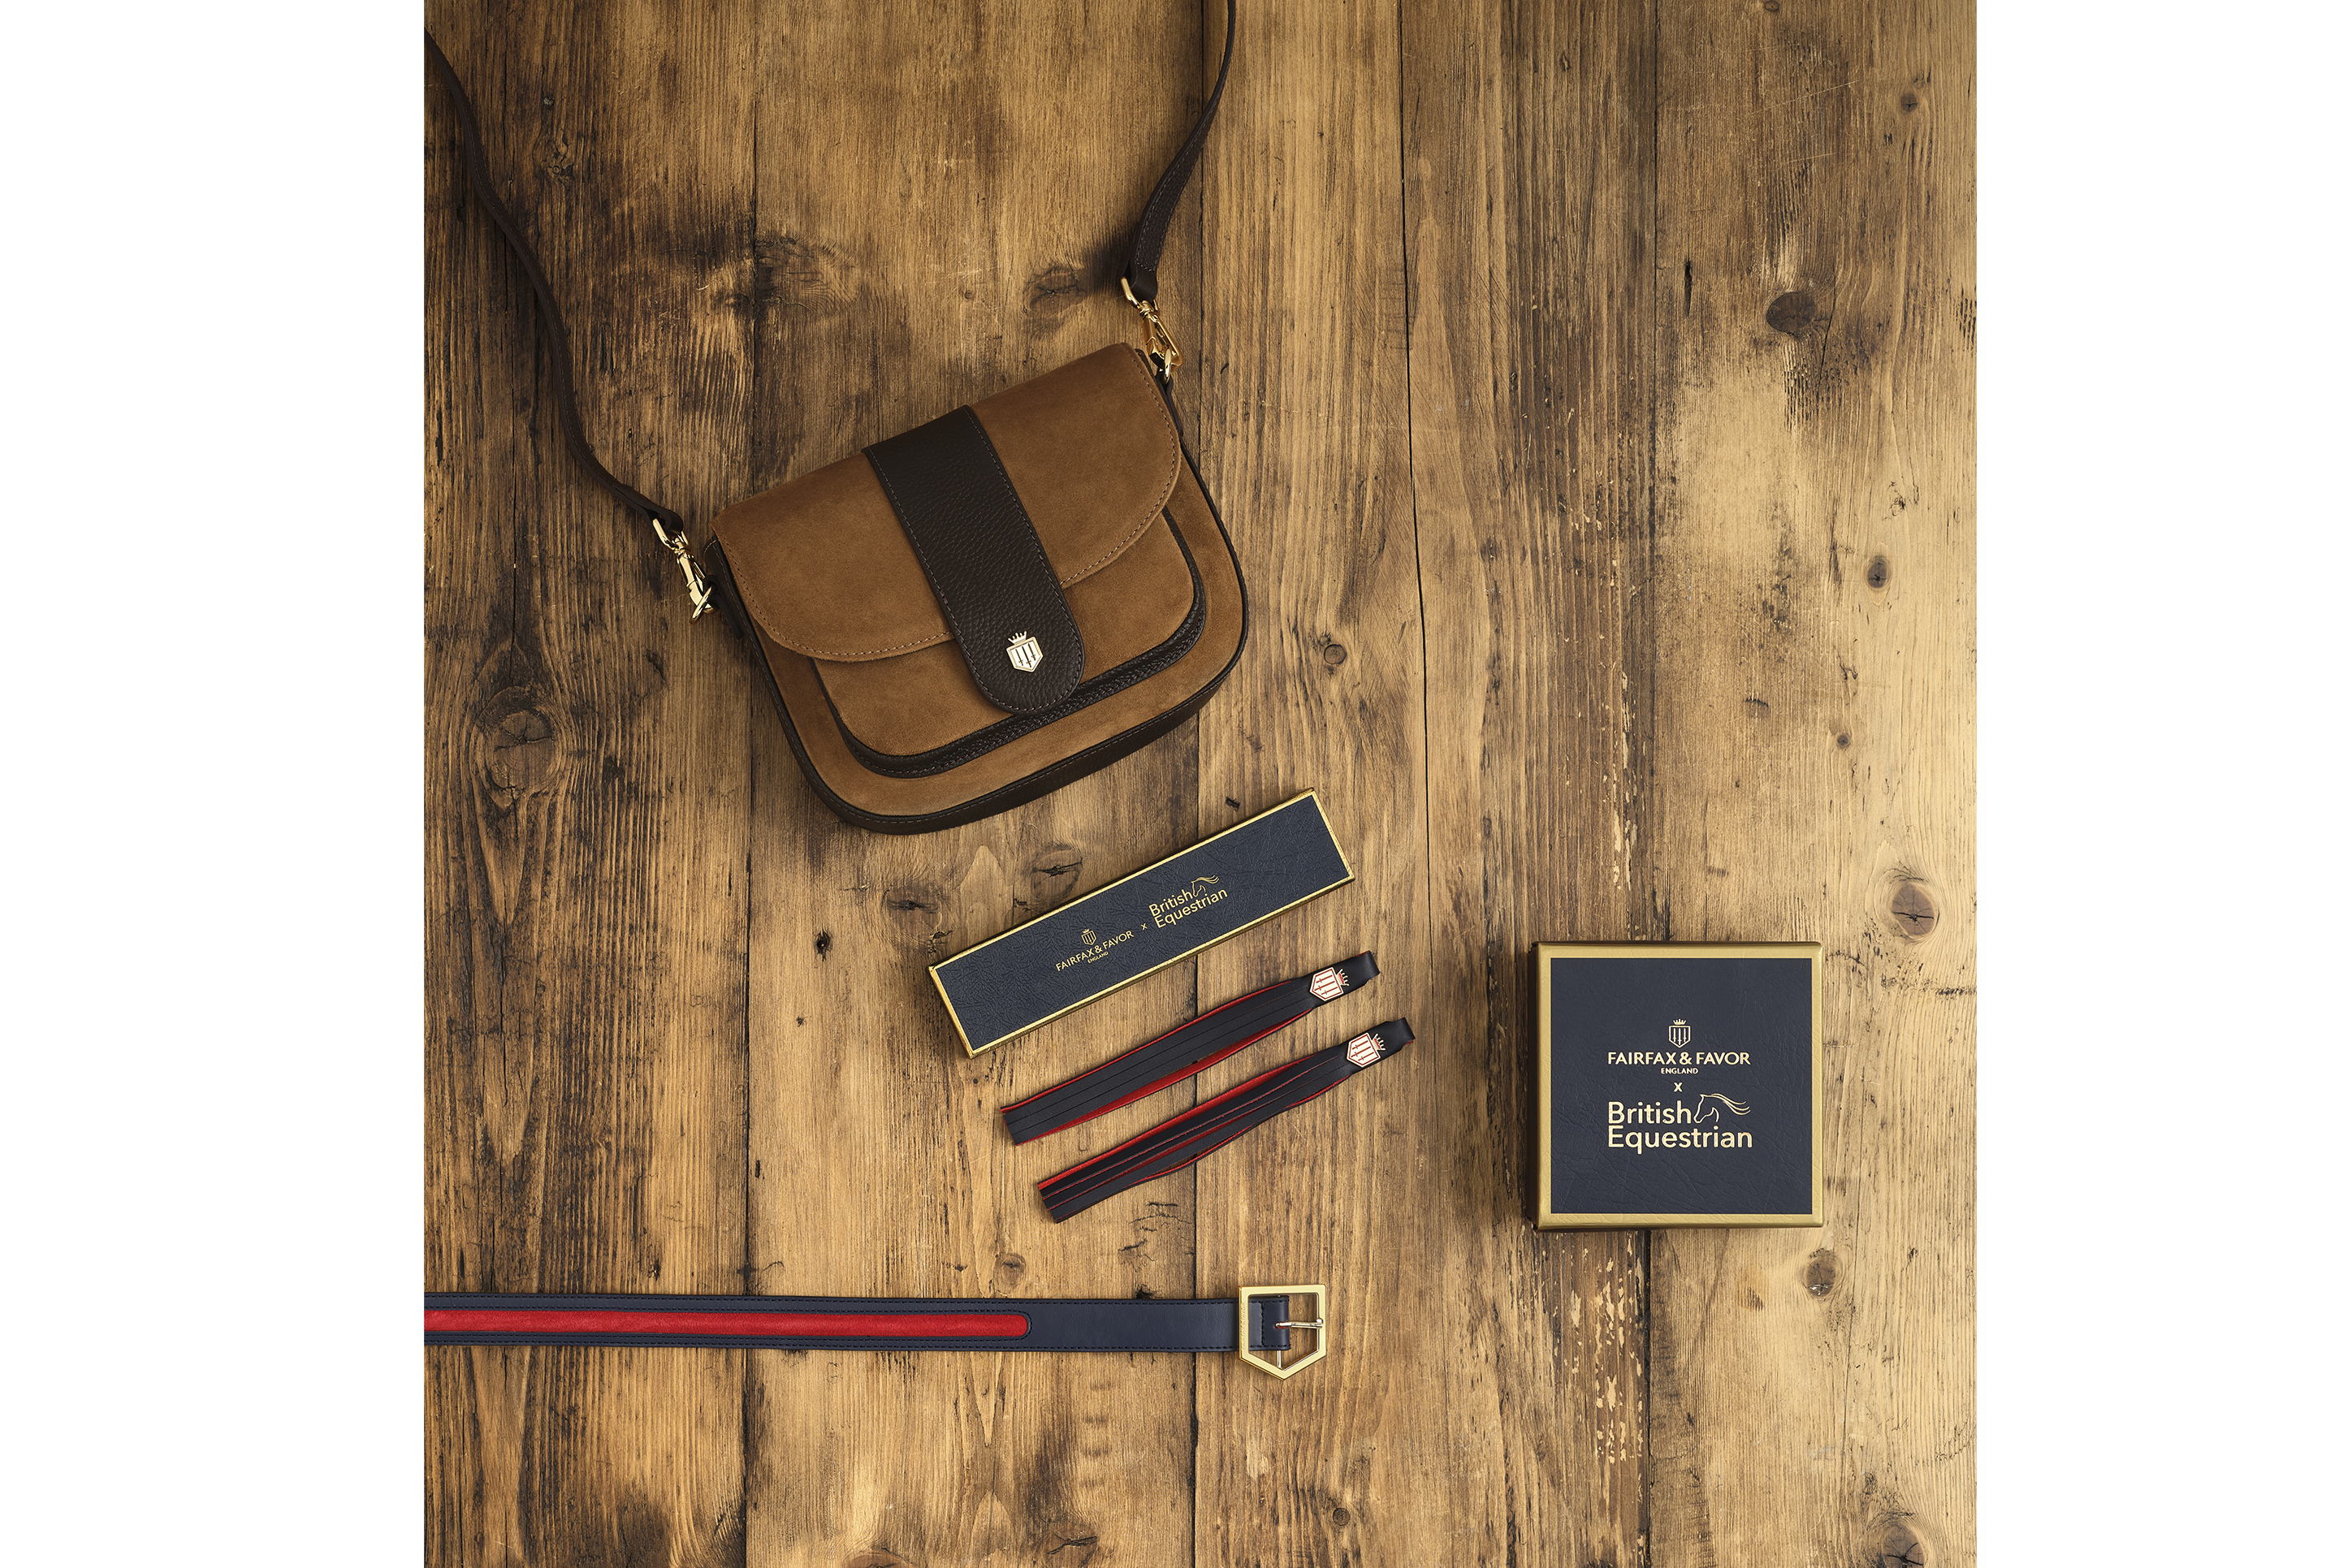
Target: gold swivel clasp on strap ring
1158 345
697 584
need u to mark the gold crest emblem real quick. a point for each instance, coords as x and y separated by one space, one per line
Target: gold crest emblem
1024 651
1364 1049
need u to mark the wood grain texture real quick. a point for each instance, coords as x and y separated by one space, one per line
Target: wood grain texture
1528 189
1304 434
586 938
939 230
1814 568
1587 390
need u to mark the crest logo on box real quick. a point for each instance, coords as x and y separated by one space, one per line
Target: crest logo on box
1095 947
1678 1034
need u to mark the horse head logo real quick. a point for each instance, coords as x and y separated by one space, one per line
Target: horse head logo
1708 1112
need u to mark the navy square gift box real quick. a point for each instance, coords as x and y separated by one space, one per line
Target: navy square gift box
1678 1084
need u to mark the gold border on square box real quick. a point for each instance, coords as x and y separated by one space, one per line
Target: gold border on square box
1546 1218
1345 865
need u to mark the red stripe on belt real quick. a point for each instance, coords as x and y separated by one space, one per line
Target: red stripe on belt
750 1325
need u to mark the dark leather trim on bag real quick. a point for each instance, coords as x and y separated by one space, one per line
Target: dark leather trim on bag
981 553
982 609
1150 663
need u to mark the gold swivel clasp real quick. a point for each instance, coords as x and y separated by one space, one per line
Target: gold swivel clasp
1158 345
697 584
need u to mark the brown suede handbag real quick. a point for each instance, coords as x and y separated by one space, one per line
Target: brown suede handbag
976 612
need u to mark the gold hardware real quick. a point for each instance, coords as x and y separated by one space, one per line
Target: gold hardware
698 585
1158 345
1322 1334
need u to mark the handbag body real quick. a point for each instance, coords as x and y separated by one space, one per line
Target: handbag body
981 609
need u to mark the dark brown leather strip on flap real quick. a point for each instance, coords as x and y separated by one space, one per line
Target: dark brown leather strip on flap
986 566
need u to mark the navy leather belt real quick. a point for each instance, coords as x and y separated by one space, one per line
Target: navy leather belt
1259 1324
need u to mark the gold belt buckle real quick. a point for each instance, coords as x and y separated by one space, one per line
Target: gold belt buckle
1289 1293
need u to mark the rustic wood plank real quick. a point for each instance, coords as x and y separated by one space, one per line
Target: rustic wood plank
590 789
1528 135
1815 688
1303 431
941 197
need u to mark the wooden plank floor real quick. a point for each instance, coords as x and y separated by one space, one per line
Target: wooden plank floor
1589 392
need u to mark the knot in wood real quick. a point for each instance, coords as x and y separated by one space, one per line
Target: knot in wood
1070 1543
524 754
1791 313
1054 291
1913 911
1899 1546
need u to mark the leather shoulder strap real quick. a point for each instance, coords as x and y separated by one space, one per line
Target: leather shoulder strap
1152 229
667 526
1142 284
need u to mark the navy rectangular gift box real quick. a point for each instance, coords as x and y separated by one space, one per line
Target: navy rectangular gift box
1146 921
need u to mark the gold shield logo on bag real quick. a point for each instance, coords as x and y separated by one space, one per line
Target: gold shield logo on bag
1024 651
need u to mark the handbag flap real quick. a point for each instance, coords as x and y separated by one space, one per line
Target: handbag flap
824 565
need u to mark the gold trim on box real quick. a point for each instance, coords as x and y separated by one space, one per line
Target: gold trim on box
1345 865
1546 1218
